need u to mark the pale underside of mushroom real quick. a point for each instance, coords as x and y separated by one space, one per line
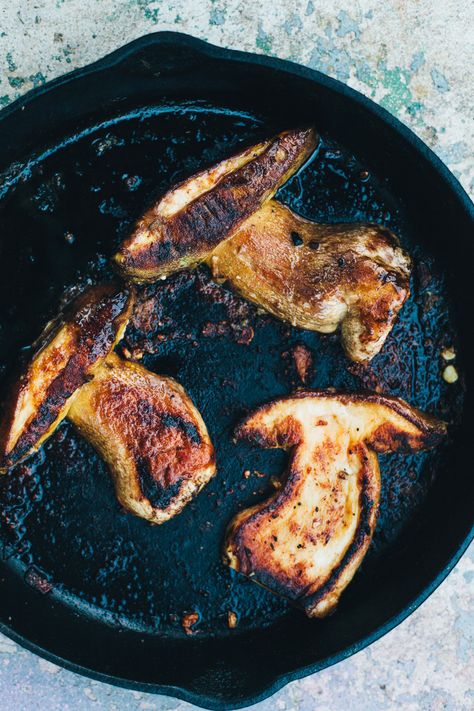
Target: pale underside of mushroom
307 541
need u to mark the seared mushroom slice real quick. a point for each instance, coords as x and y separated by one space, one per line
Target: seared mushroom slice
64 358
150 434
183 226
307 541
319 277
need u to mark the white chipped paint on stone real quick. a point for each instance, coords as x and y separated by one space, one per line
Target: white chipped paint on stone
48 667
90 694
7 646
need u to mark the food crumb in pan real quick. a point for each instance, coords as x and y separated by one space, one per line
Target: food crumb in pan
245 335
132 182
101 145
232 619
188 622
38 580
448 354
450 374
133 354
303 360
211 330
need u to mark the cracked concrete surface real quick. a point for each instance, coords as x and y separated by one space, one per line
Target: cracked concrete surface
413 57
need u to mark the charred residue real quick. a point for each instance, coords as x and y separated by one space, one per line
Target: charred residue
58 511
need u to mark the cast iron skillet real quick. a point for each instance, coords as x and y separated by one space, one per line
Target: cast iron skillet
103 593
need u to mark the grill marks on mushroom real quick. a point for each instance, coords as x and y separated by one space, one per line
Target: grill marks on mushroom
320 277
143 425
64 358
148 431
182 228
307 541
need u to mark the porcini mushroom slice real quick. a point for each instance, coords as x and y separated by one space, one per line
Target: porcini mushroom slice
319 276
64 358
308 539
146 428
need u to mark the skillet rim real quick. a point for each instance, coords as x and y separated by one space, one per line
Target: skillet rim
287 69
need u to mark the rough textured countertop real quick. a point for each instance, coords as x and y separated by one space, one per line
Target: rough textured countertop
414 57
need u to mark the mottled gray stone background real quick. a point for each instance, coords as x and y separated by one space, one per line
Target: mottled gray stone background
415 58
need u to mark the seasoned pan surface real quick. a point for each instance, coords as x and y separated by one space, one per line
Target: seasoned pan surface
67 546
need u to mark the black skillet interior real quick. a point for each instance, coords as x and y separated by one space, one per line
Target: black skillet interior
103 592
